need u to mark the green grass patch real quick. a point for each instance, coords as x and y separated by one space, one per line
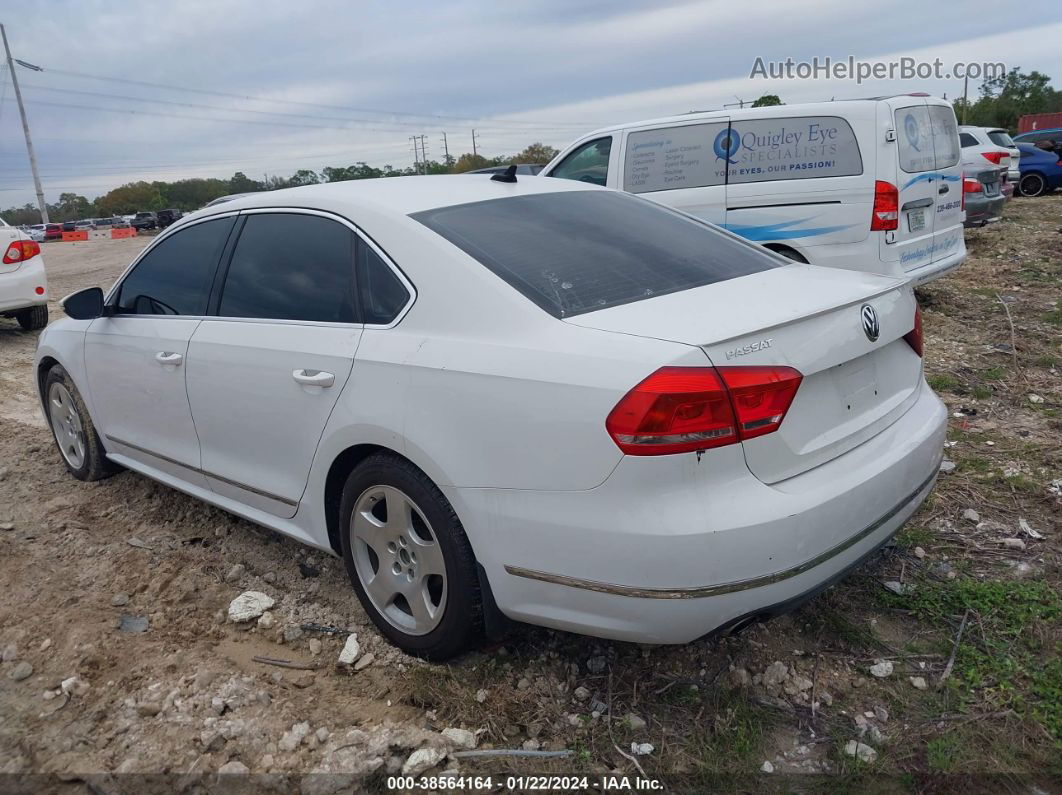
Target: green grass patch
1055 317
732 741
1004 659
912 536
981 392
994 374
942 382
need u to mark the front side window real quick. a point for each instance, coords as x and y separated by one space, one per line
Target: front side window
291 266
588 163
383 296
175 276
580 251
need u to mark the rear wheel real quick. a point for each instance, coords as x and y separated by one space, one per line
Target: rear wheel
409 559
1032 185
75 435
34 318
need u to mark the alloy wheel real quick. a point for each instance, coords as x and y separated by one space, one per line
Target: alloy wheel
66 424
398 559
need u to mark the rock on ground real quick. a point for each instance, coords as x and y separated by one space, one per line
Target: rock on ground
248 605
881 669
861 751
351 650
422 759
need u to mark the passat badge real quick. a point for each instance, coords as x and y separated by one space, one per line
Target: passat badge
870 322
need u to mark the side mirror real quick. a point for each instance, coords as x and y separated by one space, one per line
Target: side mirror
85 304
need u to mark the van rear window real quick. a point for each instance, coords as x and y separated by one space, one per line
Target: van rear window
581 251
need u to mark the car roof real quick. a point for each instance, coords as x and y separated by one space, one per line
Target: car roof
401 195
1045 129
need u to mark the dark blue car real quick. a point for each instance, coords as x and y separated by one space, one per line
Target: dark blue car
1041 170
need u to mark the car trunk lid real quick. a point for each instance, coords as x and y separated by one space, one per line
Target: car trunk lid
808 318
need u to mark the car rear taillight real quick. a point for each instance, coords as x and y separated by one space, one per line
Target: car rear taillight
886 214
971 185
914 336
761 396
993 157
683 409
20 251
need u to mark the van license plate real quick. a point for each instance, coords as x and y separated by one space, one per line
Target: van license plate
916 220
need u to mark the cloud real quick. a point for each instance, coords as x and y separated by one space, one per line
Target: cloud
517 72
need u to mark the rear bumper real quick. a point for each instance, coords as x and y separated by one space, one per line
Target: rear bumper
936 269
18 289
981 211
670 549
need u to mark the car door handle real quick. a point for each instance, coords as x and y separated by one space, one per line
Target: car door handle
313 378
166 357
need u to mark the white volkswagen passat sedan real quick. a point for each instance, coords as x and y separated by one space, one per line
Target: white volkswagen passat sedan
538 400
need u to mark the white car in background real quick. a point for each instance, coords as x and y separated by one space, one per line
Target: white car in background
976 154
23 286
35 232
534 398
994 138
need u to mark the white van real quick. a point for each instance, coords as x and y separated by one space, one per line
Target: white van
869 184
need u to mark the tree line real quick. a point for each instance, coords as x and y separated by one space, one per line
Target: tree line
191 194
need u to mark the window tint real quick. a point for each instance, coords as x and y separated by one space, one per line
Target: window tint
945 136
290 266
175 277
382 293
965 139
580 251
588 163
1000 138
674 157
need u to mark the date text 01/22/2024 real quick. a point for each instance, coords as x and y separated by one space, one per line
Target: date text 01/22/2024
527 783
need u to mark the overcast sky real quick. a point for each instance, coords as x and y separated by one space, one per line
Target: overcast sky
276 86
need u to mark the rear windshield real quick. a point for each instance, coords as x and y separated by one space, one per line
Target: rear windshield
1000 138
577 252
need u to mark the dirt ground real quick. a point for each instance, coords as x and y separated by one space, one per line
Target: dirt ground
936 666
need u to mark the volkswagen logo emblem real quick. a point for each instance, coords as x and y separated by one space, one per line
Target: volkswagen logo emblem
870 322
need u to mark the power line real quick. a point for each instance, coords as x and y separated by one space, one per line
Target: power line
354 109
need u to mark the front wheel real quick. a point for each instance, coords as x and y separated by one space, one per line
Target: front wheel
1032 185
72 427
33 319
409 560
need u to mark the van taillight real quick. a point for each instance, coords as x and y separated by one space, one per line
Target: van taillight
886 214
914 336
20 251
682 409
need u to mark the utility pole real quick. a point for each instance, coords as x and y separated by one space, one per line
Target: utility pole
965 97
25 128
416 154
423 153
446 152
474 143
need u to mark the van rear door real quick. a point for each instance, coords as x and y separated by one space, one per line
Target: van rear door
929 184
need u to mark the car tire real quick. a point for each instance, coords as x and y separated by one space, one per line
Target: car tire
409 560
33 319
72 428
1032 185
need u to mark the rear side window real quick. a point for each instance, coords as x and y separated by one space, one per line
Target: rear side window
290 266
580 251
383 296
803 147
1000 138
175 276
945 132
965 140
588 163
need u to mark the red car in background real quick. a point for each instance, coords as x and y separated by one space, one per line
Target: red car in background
53 232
